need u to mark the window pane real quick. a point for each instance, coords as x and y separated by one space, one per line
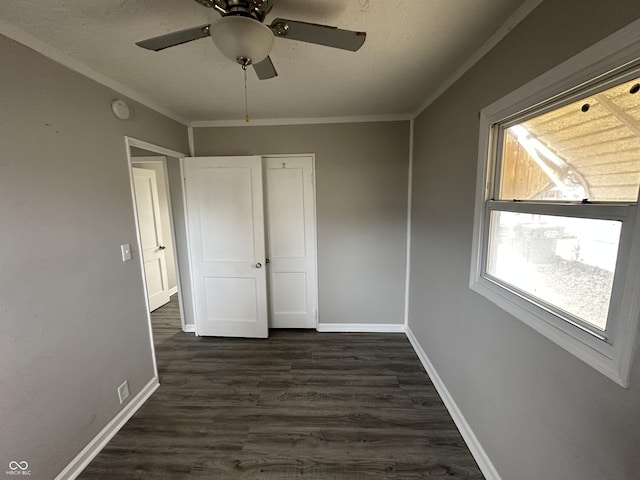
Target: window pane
566 262
587 149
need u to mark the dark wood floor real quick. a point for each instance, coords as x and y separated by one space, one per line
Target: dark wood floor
299 405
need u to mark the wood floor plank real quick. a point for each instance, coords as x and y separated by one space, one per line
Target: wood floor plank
298 405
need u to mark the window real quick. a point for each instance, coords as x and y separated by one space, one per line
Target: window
556 237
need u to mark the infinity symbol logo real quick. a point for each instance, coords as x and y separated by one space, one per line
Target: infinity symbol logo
13 465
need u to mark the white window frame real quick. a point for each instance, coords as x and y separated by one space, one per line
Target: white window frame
612 352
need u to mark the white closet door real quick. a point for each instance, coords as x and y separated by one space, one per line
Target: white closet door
291 237
150 225
226 244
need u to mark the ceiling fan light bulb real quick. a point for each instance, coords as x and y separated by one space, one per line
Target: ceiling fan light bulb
242 37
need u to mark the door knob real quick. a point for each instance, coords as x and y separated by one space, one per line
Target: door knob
267 261
162 247
258 265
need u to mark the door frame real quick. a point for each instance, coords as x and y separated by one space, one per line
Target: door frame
315 216
166 152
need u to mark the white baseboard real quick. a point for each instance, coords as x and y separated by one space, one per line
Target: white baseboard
189 328
481 457
88 453
361 327
173 291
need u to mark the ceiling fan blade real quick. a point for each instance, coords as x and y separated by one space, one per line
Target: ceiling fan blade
265 69
175 38
318 34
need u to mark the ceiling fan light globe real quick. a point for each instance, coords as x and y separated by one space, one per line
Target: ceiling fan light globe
242 37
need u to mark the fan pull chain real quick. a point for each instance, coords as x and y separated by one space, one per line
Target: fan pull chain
246 101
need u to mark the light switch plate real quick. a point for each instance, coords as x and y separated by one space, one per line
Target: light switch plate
126 252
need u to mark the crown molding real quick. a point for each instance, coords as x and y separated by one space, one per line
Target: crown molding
514 19
58 56
301 121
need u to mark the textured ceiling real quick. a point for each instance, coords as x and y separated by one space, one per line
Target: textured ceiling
412 47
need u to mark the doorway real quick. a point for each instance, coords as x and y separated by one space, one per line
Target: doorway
156 189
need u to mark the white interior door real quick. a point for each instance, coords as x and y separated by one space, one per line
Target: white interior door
150 225
226 245
291 234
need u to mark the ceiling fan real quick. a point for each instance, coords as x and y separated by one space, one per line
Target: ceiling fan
242 36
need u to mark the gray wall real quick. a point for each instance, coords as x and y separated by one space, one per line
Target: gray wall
361 189
72 314
539 412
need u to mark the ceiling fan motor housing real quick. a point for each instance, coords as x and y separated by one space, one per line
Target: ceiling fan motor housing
256 9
